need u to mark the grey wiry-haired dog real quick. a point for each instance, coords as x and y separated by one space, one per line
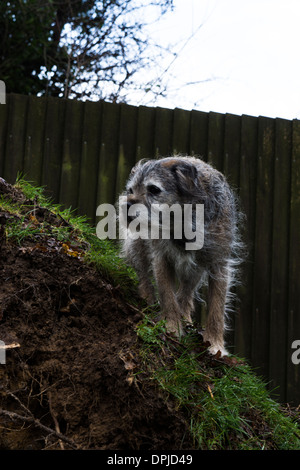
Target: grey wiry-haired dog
177 271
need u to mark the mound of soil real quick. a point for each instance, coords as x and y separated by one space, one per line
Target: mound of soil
71 354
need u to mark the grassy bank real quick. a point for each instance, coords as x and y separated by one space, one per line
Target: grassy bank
226 404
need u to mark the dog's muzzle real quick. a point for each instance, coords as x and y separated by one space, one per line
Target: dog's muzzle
127 214
133 214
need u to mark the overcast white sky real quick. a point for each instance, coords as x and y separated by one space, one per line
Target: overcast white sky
249 48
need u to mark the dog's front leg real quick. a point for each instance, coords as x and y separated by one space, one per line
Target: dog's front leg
214 330
137 253
188 285
164 276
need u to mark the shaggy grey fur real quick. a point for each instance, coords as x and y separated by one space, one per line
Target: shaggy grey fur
178 273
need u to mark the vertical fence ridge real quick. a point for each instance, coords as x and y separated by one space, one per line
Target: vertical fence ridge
248 181
82 153
280 252
293 371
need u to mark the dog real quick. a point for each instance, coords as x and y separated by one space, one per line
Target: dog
179 272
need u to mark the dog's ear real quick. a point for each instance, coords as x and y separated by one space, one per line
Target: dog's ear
138 165
186 176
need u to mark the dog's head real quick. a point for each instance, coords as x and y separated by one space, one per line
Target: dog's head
166 181
158 185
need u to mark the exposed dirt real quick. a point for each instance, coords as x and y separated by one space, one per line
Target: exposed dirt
69 379
73 355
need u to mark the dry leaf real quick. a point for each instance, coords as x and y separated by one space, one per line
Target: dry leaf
67 308
128 360
70 251
33 219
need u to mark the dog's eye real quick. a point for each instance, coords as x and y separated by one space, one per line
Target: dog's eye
130 191
152 189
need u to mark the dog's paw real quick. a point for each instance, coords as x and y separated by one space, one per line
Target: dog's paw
174 327
216 350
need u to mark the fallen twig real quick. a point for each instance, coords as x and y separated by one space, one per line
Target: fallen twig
56 424
30 419
9 346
